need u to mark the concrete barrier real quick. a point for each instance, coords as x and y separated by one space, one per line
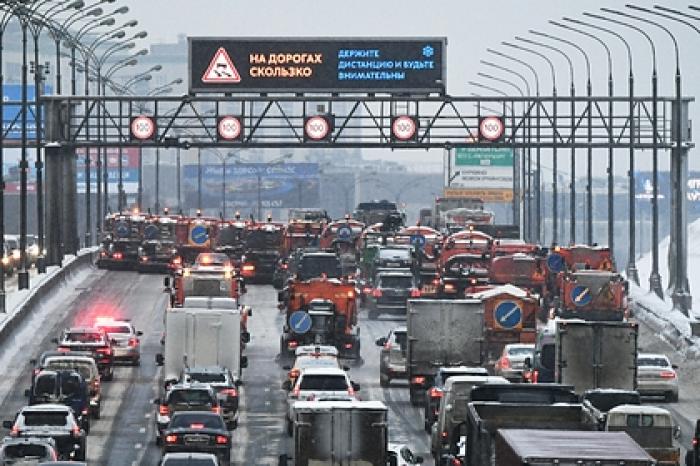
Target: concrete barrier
50 285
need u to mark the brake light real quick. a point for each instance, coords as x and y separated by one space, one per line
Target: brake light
284 266
444 434
248 268
667 375
197 426
449 288
221 440
351 391
415 293
387 345
292 344
367 290
348 345
504 363
377 293
14 432
75 431
172 438
117 255
163 410
229 392
133 342
294 373
144 259
85 412
694 442
535 376
418 380
435 393
436 281
177 261
216 410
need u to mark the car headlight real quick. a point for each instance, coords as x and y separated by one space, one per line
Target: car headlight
5 260
16 254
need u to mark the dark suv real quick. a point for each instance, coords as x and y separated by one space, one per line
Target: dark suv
91 340
184 397
226 388
391 293
65 387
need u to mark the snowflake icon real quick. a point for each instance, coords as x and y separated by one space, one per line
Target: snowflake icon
428 51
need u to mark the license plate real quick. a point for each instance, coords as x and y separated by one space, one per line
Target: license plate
196 439
429 289
393 264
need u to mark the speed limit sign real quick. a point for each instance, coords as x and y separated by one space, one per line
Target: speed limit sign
142 128
317 128
404 128
491 128
229 128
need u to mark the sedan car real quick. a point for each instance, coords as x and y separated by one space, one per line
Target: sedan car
127 345
391 292
656 376
511 363
200 432
392 356
222 382
400 455
184 397
92 340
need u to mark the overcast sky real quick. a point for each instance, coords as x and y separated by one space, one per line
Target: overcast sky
469 25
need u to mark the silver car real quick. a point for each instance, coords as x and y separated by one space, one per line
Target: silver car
656 376
127 346
511 363
392 357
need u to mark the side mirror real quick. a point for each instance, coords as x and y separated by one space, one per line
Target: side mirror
33 362
139 333
287 367
346 368
245 337
244 362
527 363
676 432
166 282
27 393
674 366
281 306
238 382
250 312
156 401
355 386
160 360
8 424
287 385
380 341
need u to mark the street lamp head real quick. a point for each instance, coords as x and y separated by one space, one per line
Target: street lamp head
121 10
141 52
78 4
108 1
95 12
130 24
156 67
131 62
141 35
107 22
147 77
118 35
177 81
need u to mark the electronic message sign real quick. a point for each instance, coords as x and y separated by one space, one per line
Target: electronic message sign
351 65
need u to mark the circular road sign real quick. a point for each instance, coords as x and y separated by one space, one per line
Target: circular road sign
404 128
122 229
581 296
300 322
142 127
151 232
229 128
508 314
199 235
555 262
317 128
491 128
417 241
344 233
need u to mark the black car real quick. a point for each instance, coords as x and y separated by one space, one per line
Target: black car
391 292
91 340
184 397
55 421
222 382
198 431
62 387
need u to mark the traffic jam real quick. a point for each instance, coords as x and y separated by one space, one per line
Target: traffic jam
497 344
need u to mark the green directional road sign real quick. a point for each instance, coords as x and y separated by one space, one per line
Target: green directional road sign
483 157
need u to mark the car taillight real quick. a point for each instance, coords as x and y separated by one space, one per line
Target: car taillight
367 290
216 410
694 442
535 376
504 363
75 431
171 438
667 375
387 345
133 342
351 391
221 440
284 266
351 294
292 344
444 434
418 380
449 288
163 410
415 293
14 432
294 373
144 259
377 293
197 426
348 345
435 393
456 462
248 268
85 412
229 392
177 261
117 255
436 281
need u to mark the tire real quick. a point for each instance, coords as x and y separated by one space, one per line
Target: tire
290 428
415 398
672 397
136 362
82 454
96 411
109 376
233 425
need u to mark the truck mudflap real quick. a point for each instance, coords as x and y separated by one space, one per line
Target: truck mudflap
666 456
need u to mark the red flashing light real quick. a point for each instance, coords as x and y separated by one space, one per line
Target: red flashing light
229 392
415 293
171 438
418 380
221 440
377 293
163 410
292 344
435 393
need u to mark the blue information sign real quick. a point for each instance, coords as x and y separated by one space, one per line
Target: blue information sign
555 262
508 314
300 322
122 229
581 296
151 232
418 241
199 235
344 233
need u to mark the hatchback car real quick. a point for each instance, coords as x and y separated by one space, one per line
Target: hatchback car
656 376
94 341
315 383
127 345
30 450
434 393
51 421
511 363
391 293
184 397
222 382
392 356
200 432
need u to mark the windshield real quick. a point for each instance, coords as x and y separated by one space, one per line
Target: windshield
206 377
396 282
314 267
261 239
185 397
186 420
524 351
82 368
655 362
323 382
45 385
84 337
25 451
39 418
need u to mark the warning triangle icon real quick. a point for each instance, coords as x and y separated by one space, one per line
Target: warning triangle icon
221 69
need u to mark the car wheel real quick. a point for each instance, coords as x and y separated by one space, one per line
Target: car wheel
96 411
672 397
290 428
232 425
109 376
415 398
159 441
136 362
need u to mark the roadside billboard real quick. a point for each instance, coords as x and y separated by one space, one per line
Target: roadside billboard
130 169
274 185
12 114
317 64
485 173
